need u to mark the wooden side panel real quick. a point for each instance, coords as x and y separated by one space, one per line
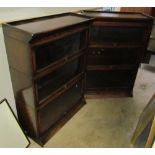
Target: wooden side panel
26 112
19 56
145 10
19 59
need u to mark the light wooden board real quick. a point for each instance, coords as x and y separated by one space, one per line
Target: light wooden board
151 136
145 118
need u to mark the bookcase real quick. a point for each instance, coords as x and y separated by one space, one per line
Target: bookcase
117 42
47 58
55 60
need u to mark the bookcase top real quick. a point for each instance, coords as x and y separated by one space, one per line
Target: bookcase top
119 15
49 23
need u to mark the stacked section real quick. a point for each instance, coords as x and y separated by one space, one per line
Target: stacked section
47 62
116 46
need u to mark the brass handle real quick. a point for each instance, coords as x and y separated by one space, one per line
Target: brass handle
93 52
99 52
65 86
66 58
115 44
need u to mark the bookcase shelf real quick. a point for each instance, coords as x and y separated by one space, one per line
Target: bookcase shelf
47 60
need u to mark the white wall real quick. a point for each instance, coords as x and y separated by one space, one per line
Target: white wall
6 90
11 14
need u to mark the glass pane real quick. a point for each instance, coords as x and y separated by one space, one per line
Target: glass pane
58 107
56 79
101 79
119 34
48 53
113 56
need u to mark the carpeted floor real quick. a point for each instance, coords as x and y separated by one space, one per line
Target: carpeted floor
107 122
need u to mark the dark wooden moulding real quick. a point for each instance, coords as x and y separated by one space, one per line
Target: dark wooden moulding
117 45
56 60
47 59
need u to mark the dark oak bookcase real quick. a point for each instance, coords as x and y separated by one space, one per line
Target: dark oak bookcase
117 42
47 58
56 60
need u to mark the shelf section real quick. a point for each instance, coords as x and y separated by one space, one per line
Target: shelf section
49 69
111 67
108 92
113 45
60 90
52 112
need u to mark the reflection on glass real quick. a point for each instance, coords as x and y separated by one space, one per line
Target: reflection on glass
48 53
56 79
113 56
100 79
119 34
59 106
